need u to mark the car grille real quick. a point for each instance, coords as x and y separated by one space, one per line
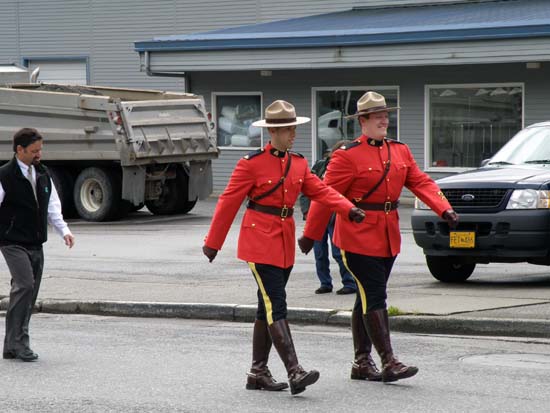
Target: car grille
475 198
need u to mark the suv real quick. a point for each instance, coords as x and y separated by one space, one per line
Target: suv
504 209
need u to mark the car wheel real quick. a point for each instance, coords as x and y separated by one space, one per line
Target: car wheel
449 270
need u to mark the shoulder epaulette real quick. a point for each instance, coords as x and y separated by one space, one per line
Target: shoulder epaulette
350 145
394 141
252 154
296 154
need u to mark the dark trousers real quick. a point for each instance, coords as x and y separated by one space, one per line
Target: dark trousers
271 282
25 267
371 275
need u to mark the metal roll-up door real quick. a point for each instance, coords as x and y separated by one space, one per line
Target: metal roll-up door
65 72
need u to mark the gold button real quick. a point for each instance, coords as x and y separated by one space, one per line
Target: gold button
370 169
388 179
269 181
286 190
282 160
300 179
388 197
253 225
282 219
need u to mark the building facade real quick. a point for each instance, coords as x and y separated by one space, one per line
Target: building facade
467 74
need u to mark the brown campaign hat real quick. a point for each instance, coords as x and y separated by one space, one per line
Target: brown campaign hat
280 113
371 102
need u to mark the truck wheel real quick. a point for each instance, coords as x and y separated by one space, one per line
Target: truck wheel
173 199
97 194
447 270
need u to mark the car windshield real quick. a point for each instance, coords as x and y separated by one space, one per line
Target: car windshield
531 146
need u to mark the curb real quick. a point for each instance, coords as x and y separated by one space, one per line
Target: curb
420 324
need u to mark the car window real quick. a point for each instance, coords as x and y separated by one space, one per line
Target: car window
531 145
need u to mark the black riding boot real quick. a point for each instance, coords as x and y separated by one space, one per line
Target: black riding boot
379 332
298 378
259 377
363 367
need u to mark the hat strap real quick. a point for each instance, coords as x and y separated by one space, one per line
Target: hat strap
287 120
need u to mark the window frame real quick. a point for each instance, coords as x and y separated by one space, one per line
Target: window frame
427 125
314 91
214 100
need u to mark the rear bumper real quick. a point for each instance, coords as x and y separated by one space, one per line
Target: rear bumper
505 236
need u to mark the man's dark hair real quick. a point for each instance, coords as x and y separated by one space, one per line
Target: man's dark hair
25 137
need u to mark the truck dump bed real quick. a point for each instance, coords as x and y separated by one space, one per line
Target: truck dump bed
99 123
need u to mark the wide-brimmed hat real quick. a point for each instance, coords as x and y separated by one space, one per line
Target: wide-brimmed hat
371 102
280 113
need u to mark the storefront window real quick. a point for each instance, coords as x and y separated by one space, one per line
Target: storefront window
332 108
469 124
234 116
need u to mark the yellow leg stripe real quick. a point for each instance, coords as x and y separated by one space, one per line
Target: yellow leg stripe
362 293
267 301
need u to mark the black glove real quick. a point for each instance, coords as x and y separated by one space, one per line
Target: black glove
451 217
305 244
209 252
356 214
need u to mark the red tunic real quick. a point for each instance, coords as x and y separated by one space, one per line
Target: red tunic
353 171
266 238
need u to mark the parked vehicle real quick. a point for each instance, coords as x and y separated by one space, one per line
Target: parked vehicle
504 209
112 150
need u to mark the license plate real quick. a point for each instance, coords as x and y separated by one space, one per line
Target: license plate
462 239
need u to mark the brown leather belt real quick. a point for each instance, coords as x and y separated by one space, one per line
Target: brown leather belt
283 212
384 206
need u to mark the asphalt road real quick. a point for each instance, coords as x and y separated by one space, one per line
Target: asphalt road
107 364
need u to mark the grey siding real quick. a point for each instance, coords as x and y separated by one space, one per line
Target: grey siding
9 34
452 53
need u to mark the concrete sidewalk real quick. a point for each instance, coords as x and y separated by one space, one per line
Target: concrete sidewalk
150 266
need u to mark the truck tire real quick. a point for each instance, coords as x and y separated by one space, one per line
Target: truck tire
97 194
449 270
64 185
173 199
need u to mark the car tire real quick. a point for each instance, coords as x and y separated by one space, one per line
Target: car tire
448 270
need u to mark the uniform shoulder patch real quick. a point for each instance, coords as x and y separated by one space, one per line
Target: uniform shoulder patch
348 146
394 141
296 154
252 154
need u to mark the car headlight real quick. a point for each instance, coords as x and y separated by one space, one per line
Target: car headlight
418 204
529 199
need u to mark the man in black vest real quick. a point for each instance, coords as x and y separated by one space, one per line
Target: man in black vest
28 201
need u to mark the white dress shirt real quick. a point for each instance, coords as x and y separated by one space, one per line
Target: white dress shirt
55 217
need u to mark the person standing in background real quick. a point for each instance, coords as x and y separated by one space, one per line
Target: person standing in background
28 201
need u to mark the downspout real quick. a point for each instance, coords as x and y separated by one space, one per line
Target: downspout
149 72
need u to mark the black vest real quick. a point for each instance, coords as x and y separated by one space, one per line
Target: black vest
23 220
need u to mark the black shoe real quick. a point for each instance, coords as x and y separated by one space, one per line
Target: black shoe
8 354
345 290
23 355
323 289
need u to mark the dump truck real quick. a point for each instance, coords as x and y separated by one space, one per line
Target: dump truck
113 150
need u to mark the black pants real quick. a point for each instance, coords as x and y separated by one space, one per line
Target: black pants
371 275
25 267
271 282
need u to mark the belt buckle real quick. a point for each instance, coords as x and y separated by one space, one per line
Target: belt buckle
387 207
284 212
